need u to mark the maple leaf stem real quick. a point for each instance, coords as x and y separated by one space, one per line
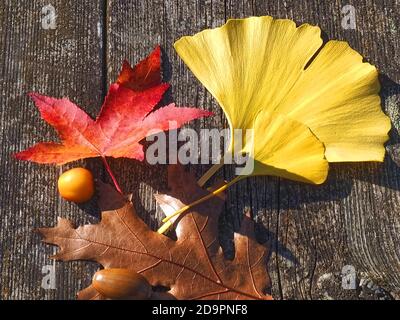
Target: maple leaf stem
114 180
167 220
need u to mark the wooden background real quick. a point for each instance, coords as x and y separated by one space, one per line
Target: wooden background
353 219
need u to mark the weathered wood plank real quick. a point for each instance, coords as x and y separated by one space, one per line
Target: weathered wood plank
65 61
311 228
313 231
260 195
164 22
354 218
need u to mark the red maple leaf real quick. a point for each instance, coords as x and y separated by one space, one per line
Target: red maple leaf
126 117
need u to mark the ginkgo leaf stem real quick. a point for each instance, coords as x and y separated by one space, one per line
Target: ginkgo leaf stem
210 172
114 180
167 220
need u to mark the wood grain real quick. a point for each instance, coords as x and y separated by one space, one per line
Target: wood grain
345 221
353 219
66 61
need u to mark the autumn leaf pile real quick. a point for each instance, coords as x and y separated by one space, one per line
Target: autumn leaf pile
308 102
193 267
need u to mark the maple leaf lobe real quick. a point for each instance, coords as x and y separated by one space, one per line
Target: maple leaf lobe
146 74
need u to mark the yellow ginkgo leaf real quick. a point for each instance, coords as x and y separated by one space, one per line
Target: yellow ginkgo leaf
261 63
307 103
287 148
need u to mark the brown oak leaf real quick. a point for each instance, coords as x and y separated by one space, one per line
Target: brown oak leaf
193 266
